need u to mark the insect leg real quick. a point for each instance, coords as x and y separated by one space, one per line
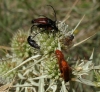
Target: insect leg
38 33
32 28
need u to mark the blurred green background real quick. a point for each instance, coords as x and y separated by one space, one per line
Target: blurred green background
17 14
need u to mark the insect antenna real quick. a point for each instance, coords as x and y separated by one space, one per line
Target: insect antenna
54 12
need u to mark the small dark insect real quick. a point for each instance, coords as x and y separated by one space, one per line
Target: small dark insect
68 40
45 23
65 69
32 42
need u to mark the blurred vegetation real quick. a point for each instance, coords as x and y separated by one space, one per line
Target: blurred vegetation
17 14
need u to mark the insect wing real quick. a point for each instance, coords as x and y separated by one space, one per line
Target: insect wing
66 71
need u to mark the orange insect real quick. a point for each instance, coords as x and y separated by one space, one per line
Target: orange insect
63 65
